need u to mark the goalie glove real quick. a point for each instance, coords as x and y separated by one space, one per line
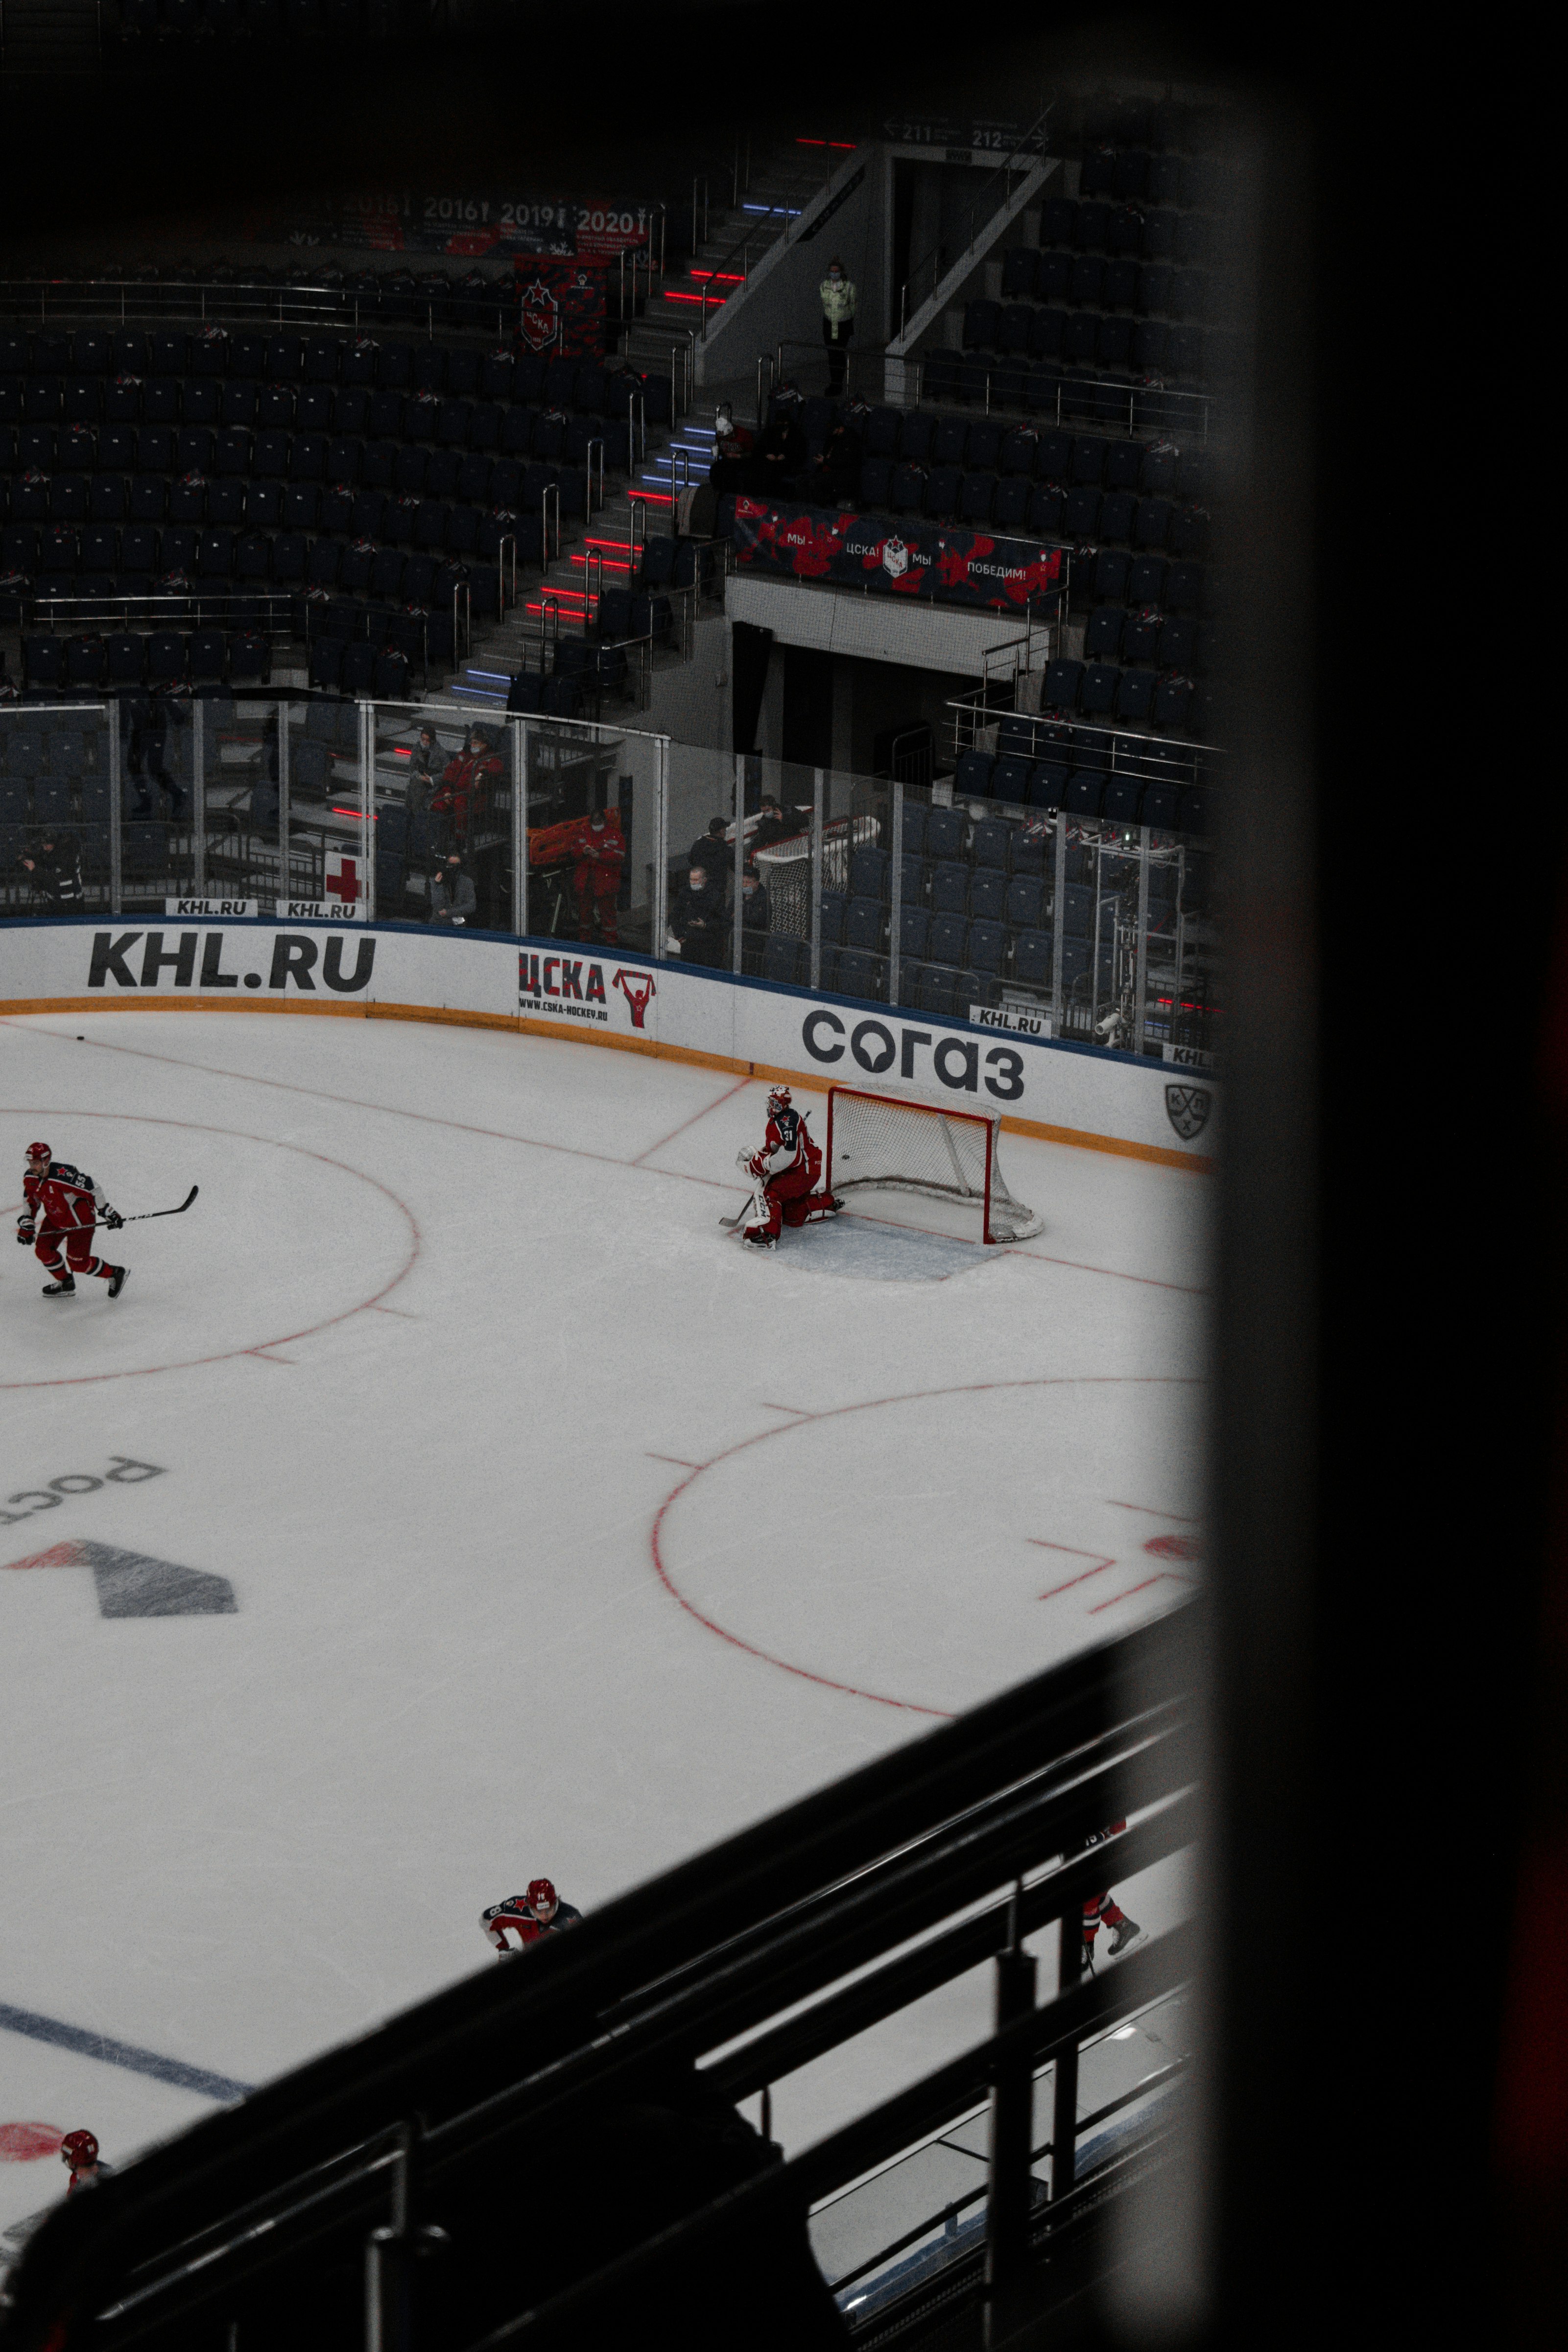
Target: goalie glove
113 1220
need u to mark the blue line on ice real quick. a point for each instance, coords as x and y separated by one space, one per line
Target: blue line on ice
110 2052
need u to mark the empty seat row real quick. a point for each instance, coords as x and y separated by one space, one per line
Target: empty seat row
1118 798
312 455
170 355
175 396
1131 173
1085 281
1157 233
1143 403
61 752
221 552
1085 338
1137 698
1145 636
1051 454
164 656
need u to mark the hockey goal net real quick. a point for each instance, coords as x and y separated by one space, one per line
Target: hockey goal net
888 1144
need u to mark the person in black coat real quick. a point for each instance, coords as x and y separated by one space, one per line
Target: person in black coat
54 871
781 454
835 477
149 717
697 917
713 852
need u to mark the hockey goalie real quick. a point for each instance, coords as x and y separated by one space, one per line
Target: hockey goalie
786 1171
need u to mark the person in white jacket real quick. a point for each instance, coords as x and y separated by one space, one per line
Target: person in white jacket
838 299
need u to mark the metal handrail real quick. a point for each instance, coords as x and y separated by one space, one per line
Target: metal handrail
1021 146
550 520
200 302
506 546
462 621
592 498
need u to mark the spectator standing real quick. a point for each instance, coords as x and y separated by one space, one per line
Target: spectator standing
599 851
709 853
425 761
452 897
838 299
732 447
467 782
754 914
54 869
776 822
149 717
697 917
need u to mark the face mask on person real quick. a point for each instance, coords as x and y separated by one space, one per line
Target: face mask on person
836 276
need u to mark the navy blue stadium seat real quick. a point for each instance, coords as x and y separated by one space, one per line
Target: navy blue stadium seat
1063 680
973 774
945 833
949 887
987 896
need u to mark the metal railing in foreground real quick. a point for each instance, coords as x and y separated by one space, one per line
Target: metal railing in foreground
427 310
743 1964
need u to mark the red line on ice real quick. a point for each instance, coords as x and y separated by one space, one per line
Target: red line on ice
869 1404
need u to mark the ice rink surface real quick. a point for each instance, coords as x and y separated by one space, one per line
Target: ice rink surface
565 1535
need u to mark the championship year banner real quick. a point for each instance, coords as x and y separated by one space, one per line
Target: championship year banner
936 562
468 227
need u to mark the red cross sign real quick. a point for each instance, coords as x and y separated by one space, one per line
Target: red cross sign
343 876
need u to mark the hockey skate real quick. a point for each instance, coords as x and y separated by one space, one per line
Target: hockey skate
759 1237
64 1289
117 1274
1128 1933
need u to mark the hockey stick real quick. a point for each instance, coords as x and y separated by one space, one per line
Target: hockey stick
141 1215
757 1203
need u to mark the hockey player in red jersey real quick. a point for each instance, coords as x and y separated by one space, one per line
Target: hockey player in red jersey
63 1207
79 2150
539 1912
1099 1909
786 1171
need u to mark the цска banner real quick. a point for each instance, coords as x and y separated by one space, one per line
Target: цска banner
912 559
561 308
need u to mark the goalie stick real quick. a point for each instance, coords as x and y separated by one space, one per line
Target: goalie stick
756 1202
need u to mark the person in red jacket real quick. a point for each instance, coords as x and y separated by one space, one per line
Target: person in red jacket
468 782
598 853
63 1206
786 1170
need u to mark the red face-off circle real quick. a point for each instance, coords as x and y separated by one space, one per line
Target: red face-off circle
26 2143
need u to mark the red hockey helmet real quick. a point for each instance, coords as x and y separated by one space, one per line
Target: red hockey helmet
540 1890
79 2148
780 1099
40 1152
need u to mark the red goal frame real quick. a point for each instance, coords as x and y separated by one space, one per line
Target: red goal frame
989 1120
